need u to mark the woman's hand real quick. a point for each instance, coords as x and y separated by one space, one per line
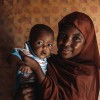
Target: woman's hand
25 69
25 93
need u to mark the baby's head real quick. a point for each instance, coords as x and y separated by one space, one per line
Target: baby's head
41 40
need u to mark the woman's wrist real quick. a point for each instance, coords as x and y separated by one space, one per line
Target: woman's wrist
40 75
21 63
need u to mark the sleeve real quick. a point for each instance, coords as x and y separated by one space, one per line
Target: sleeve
16 53
49 89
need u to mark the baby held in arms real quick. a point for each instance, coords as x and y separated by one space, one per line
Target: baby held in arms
38 47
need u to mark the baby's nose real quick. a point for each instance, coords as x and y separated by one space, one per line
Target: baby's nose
44 46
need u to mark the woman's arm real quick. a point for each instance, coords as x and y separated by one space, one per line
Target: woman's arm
27 61
22 93
34 65
14 61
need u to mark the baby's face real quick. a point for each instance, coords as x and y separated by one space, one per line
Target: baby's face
43 45
70 42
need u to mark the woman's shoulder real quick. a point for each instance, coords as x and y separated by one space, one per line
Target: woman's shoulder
53 58
52 55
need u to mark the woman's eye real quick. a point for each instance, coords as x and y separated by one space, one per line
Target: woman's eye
63 35
76 38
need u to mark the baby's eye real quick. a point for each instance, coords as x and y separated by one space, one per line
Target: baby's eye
39 42
49 45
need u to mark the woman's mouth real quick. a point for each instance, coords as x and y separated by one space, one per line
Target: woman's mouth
67 51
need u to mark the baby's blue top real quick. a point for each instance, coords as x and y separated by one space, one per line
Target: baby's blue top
27 51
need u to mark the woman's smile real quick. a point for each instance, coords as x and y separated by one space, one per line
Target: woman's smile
66 50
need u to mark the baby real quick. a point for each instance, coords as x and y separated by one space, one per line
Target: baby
38 47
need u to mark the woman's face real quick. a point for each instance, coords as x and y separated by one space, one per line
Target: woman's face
70 42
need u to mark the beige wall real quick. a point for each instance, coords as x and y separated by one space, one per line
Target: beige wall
18 16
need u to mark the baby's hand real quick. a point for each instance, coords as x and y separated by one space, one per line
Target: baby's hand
25 69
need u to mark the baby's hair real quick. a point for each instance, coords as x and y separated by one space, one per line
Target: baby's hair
37 29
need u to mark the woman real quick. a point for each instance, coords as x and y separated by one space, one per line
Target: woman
72 73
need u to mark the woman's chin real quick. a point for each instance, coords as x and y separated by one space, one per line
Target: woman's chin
66 56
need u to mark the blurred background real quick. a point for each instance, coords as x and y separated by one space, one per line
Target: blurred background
18 16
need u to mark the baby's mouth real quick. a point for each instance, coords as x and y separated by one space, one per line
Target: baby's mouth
43 53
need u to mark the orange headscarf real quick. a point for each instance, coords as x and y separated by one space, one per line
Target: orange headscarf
85 25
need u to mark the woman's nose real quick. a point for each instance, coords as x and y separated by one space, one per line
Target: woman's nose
67 42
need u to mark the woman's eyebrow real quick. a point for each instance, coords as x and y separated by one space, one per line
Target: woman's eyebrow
77 33
63 32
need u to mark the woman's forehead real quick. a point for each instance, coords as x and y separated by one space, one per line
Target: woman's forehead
67 28
80 20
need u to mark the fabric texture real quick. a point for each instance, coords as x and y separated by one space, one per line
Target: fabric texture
76 78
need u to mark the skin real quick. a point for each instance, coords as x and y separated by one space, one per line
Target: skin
70 42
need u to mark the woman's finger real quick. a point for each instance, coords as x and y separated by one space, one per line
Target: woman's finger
27 90
28 96
23 70
29 70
